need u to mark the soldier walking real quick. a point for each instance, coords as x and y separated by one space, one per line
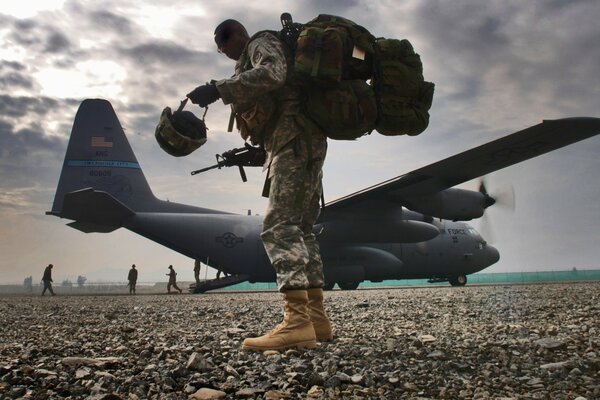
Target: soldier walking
172 280
47 279
269 113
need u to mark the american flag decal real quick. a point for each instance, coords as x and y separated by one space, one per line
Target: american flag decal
101 141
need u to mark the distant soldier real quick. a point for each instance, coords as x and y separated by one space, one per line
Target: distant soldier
47 279
28 283
132 278
172 279
197 271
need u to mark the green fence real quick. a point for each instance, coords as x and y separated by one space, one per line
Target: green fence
483 278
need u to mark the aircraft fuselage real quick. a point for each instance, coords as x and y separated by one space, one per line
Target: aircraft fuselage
232 243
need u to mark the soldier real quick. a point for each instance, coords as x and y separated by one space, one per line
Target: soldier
47 279
172 280
197 271
268 113
132 278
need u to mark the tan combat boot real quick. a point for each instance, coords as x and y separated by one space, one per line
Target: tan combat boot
318 316
296 330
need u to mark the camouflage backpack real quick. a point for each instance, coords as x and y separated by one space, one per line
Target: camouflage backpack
403 96
332 59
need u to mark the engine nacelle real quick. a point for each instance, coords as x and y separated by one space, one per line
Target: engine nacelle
452 204
377 231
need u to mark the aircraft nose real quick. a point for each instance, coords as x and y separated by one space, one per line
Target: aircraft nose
492 254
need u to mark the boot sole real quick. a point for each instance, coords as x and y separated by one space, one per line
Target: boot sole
310 344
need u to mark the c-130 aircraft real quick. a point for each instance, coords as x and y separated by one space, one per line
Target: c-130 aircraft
408 227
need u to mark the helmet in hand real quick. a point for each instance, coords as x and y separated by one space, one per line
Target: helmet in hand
179 133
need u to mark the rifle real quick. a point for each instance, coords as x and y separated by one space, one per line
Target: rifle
247 156
290 32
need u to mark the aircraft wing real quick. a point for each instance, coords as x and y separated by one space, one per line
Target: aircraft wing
512 149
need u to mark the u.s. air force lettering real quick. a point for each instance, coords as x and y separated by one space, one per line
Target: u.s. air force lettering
229 239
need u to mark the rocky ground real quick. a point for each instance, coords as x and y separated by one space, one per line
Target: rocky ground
511 342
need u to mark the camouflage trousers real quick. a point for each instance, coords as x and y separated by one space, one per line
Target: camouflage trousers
294 197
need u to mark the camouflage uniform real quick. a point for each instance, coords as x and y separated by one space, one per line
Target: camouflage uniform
268 112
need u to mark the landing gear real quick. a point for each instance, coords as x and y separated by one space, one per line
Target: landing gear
348 285
460 280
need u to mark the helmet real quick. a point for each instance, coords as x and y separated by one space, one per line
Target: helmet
180 133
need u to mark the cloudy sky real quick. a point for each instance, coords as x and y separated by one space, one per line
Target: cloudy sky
499 66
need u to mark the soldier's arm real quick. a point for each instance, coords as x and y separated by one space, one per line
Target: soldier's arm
268 72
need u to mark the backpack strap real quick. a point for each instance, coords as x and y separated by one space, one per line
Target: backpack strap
318 52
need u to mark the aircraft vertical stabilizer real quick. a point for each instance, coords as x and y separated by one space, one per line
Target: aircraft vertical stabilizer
99 156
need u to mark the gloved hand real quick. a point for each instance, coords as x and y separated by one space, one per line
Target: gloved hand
204 95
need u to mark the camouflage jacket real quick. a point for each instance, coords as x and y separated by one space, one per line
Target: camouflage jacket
266 107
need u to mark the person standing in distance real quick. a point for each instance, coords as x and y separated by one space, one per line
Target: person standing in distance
132 278
197 271
269 114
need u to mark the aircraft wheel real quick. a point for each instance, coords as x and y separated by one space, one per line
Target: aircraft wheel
348 285
460 280
329 286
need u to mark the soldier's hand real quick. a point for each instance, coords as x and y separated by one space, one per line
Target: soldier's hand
204 95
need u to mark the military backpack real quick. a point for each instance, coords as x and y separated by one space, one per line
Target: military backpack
356 83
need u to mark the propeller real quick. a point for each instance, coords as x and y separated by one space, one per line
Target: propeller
505 198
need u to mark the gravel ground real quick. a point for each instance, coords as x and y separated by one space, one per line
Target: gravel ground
501 342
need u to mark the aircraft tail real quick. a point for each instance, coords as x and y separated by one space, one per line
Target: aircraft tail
101 182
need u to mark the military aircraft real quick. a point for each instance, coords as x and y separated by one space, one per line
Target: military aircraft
405 228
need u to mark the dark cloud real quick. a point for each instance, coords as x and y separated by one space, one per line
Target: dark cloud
142 108
6 128
461 30
513 53
24 33
24 144
28 157
13 75
41 37
109 21
56 42
335 7
143 117
163 53
13 65
27 141
15 107
12 80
